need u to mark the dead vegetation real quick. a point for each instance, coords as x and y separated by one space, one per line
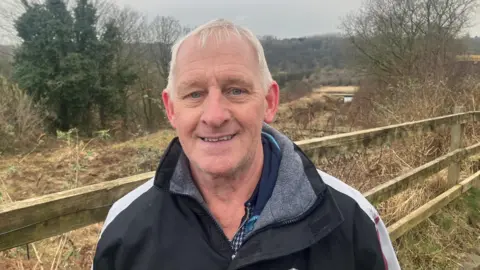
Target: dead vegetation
20 118
439 243
429 246
73 163
424 246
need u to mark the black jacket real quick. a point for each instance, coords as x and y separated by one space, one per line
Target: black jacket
311 221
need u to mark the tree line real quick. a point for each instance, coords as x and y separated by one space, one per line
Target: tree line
93 65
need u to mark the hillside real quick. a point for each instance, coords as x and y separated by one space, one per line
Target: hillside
306 53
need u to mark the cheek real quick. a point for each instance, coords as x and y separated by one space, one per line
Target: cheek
185 121
251 116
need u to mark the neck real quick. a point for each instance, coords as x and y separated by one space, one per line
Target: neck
225 195
237 186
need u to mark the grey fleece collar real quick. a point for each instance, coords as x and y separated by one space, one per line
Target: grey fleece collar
292 196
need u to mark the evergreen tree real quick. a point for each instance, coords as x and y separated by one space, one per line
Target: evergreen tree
63 63
48 39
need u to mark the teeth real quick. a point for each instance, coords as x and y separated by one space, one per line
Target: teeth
224 138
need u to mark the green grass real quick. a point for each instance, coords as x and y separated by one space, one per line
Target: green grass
442 241
472 201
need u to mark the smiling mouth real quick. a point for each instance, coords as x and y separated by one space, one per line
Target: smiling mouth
217 139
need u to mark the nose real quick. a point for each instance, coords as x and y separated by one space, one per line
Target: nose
215 109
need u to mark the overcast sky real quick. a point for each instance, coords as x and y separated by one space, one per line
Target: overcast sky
281 18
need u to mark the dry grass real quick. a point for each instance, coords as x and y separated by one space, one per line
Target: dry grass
20 117
438 243
74 250
442 241
336 89
72 163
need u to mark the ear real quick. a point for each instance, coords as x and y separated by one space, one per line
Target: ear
168 103
271 100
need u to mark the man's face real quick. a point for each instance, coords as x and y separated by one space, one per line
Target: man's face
219 104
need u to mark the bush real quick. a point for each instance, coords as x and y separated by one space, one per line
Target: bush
410 100
295 90
20 117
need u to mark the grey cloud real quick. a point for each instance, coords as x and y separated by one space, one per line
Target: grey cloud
282 18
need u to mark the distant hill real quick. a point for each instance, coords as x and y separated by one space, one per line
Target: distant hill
295 55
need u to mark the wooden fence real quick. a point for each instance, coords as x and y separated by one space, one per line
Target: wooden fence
46 216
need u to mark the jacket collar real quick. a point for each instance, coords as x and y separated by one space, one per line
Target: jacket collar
299 187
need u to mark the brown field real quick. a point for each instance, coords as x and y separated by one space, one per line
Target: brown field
336 89
441 242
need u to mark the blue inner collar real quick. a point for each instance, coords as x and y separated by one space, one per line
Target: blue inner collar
271 163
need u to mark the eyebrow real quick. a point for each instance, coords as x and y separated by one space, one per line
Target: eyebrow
240 81
187 84
229 80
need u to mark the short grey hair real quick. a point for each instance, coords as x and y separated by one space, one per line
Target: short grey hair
221 29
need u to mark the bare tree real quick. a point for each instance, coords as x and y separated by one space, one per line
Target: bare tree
164 31
396 38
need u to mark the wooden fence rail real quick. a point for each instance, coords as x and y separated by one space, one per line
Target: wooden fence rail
46 216
348 142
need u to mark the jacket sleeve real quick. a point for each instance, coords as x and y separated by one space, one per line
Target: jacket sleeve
372 246
104 258
108 255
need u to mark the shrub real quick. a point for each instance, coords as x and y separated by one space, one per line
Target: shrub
20 117
410 100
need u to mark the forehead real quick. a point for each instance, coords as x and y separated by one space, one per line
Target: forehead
226 54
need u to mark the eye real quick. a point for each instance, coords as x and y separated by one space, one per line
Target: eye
195 95
236 91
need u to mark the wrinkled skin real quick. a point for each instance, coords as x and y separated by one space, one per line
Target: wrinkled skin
218 92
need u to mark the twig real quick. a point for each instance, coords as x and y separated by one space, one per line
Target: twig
403 161
85 146
60 254
20 265
24 157
5 191
56 252
39 261
38 179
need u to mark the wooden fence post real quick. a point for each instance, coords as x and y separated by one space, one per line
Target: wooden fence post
456 134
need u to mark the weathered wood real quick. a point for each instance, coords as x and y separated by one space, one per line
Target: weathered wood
341 143
422 213
38 218
456 135
52 227
402 182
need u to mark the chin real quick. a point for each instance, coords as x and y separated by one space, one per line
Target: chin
217 170
217 167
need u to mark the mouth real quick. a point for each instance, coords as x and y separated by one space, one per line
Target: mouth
218 139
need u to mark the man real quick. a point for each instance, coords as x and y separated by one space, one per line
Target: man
231 192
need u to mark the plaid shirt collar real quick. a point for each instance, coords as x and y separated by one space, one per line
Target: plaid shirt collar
245 228
262 193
